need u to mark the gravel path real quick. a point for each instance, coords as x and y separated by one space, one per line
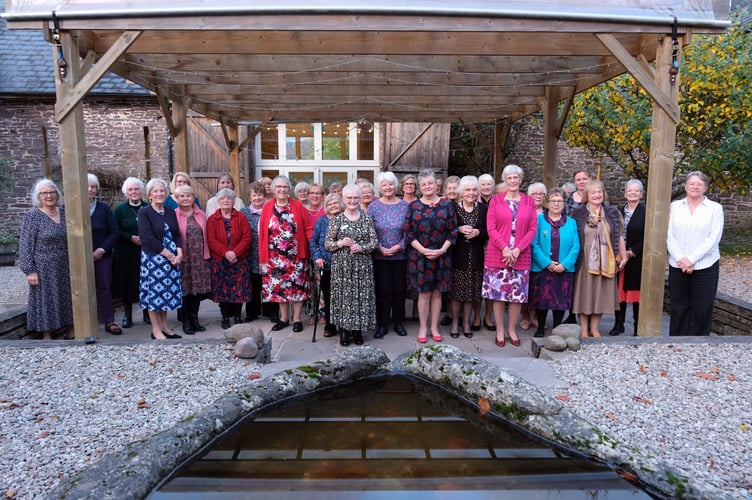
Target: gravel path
64 408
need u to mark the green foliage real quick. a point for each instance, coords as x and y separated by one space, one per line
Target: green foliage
467 154
613 120
7 238
6 175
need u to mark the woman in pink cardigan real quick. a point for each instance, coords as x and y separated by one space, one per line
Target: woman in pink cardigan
512 221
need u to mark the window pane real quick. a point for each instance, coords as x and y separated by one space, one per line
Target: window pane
365 141
299 141
366 174
336 141
269 143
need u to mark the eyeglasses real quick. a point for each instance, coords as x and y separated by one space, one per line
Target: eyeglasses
537 194
408 184
282 187
555 201
311 193
48 193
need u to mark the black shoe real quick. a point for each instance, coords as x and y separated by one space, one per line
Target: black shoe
197 327
188 328
127 322
357 337
617 329
225 323
297 326
468 334
330 330
490 328
400 329
380 332
344 337
571 319
475 328
454 335
274 319
171 335
147 319
445 321
279 325
238 320
539 333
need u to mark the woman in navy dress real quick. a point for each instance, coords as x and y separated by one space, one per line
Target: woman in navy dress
430 230
161 254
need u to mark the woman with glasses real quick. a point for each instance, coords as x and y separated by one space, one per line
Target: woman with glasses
556 248
43 258
284 234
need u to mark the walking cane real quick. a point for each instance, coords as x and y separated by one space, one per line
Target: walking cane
316 308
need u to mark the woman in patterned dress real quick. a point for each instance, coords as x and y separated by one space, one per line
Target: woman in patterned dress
430 230
467 254
512 221
284 234
126 254
43 258
229 237
196 275
555 249
351 238
161 254
389 259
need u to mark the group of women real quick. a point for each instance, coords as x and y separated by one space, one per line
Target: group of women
369 249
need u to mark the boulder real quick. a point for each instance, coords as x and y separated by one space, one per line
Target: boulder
246 348
244 330
574 343
567 330
555 343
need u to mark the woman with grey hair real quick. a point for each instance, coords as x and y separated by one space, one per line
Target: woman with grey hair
301 192
487 186
695 227
351 238
409 188
43 258
630 276
467 254
224 181
161 254
512 221
367 193
430 230
126 254
229 238
389 259
104 234
284 234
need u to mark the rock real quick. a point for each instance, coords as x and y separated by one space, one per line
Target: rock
574 343
246 348
244 330
555 343
567 330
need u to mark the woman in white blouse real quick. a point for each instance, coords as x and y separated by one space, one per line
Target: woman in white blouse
694 231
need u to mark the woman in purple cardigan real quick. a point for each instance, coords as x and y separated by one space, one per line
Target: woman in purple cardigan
512 221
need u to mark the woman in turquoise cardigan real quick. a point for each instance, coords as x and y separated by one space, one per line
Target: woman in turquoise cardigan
555 250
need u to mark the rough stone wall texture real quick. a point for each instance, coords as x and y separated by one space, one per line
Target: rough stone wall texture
115 146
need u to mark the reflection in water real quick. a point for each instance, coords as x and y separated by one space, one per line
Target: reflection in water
385 438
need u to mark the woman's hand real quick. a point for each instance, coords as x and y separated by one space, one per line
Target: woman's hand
231 257
32 279
355 248
345 242
98 254
136 240
319 263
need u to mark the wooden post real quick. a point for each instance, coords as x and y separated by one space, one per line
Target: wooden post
180 139
550 137
662 150
147 153
75 184
235 160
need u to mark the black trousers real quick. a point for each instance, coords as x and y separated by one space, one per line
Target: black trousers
326 291
254 307
391 281
691 297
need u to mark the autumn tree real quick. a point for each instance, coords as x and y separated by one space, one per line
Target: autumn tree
613 120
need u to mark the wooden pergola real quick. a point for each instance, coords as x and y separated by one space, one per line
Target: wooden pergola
348 61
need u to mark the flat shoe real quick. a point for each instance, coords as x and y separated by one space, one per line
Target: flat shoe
491 328
499 343
113 329
297 326
467 334
279 325
380 332
454 335
422 340
400 330
514 342
475 328
172 335
525 324
437 338
127 322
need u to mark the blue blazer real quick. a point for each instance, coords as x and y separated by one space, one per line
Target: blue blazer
318 249
569 245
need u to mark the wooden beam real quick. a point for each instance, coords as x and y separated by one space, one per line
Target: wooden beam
660 173
165 107
569 100
644 78
256 131
180 139
63 107
75 185
550 139
233 134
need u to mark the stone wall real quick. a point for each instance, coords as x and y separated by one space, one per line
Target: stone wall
114 144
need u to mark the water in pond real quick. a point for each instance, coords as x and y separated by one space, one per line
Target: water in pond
388 438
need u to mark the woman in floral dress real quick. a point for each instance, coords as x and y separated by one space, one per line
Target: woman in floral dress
430 230
351 239
284 234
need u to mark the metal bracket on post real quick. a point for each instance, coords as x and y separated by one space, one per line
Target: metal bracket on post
62 64
674 70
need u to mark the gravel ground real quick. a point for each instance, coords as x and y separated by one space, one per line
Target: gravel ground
62 409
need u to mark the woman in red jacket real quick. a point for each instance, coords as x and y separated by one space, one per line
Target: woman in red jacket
229 237
284 234
512 221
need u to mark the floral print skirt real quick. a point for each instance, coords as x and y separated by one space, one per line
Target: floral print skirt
505 284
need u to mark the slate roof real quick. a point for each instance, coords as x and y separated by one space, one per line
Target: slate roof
26 66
